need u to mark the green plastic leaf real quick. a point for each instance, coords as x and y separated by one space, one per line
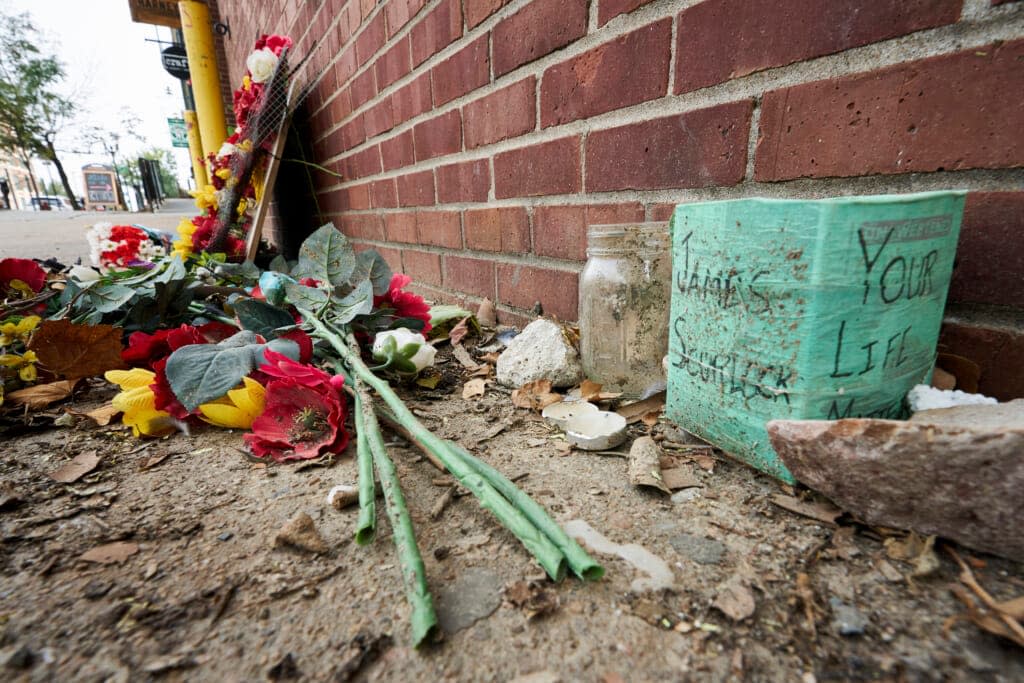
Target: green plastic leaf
358 302
371 265
327 256
200 373
309 298
246 271
261 317
439 315
175 270
106 298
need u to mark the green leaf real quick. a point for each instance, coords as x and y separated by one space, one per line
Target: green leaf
358 302
247 271
106 298
200 373
175 271
310 298
443 313
327 256
279 264
370 264
261 317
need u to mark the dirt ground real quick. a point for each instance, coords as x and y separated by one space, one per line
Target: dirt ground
208 596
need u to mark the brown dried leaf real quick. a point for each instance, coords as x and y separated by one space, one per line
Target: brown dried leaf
458 332
80 466
486 314
650 419
75 351
462 355
491 357
535 395
474 388
101 416
966 371
41 395
483 371
679 478
734 599
635 411
532 598
826 513
111 552
589 390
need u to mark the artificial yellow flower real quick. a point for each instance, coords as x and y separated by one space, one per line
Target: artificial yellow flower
223 173
24 364
246 82
138 402
238 409
205 197
19 331
183 245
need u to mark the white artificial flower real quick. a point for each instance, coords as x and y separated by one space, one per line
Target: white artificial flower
227 149
261 64
83 274
403 336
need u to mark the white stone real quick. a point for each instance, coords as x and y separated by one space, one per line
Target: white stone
540 351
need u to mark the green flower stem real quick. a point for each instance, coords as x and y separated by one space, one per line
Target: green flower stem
414 575
547 554
581 564
367 521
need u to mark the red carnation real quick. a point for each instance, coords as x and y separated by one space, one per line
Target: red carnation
405 304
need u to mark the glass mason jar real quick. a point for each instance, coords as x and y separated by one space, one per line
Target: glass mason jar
624 305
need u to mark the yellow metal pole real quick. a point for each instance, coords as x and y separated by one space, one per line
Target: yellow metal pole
202 69
195 148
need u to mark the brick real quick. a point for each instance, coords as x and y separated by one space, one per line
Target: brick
548 168
422 266
345 66
561 231
352 133
439 229
947 113
357 198
393 64
379 118
412 100
536 30
393 257
702 148
364 163
438 136
397 152
384 194
466 70
609 9
436 31
340 107
331 202
989 266
362 225
722 39
371 39
997 347
400 227
396 15
505 229
364 88
660 212
503 114
628 70
478 10
468 181
416 189
523 286
470 275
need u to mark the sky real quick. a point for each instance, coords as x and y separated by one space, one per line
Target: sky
110 69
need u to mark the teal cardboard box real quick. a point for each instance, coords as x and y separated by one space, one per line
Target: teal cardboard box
804 309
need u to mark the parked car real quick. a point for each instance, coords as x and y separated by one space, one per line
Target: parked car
49 203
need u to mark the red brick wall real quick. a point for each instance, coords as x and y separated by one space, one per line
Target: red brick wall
477 139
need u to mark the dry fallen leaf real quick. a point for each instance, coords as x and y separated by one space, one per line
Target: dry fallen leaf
462 355
459 331
111 552
635 411
41 395
491 357
826 513
80 466
75 351
484 370
965 370
644 469
679 478
532 598
101 416
535 395
474 388
589 390
650 419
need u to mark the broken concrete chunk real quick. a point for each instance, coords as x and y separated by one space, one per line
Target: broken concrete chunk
300 533
957 474
540 351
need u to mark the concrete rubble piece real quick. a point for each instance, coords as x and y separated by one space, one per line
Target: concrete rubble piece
954 472
540 351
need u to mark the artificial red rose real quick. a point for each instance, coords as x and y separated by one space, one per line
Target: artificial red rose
280 366
299 421
275 43
405 304
24 270
146 349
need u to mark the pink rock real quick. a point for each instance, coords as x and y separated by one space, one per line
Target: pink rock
960 477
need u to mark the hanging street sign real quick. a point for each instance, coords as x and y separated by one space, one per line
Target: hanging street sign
179 133
175 61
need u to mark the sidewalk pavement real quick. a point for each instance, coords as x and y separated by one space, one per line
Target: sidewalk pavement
61 234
